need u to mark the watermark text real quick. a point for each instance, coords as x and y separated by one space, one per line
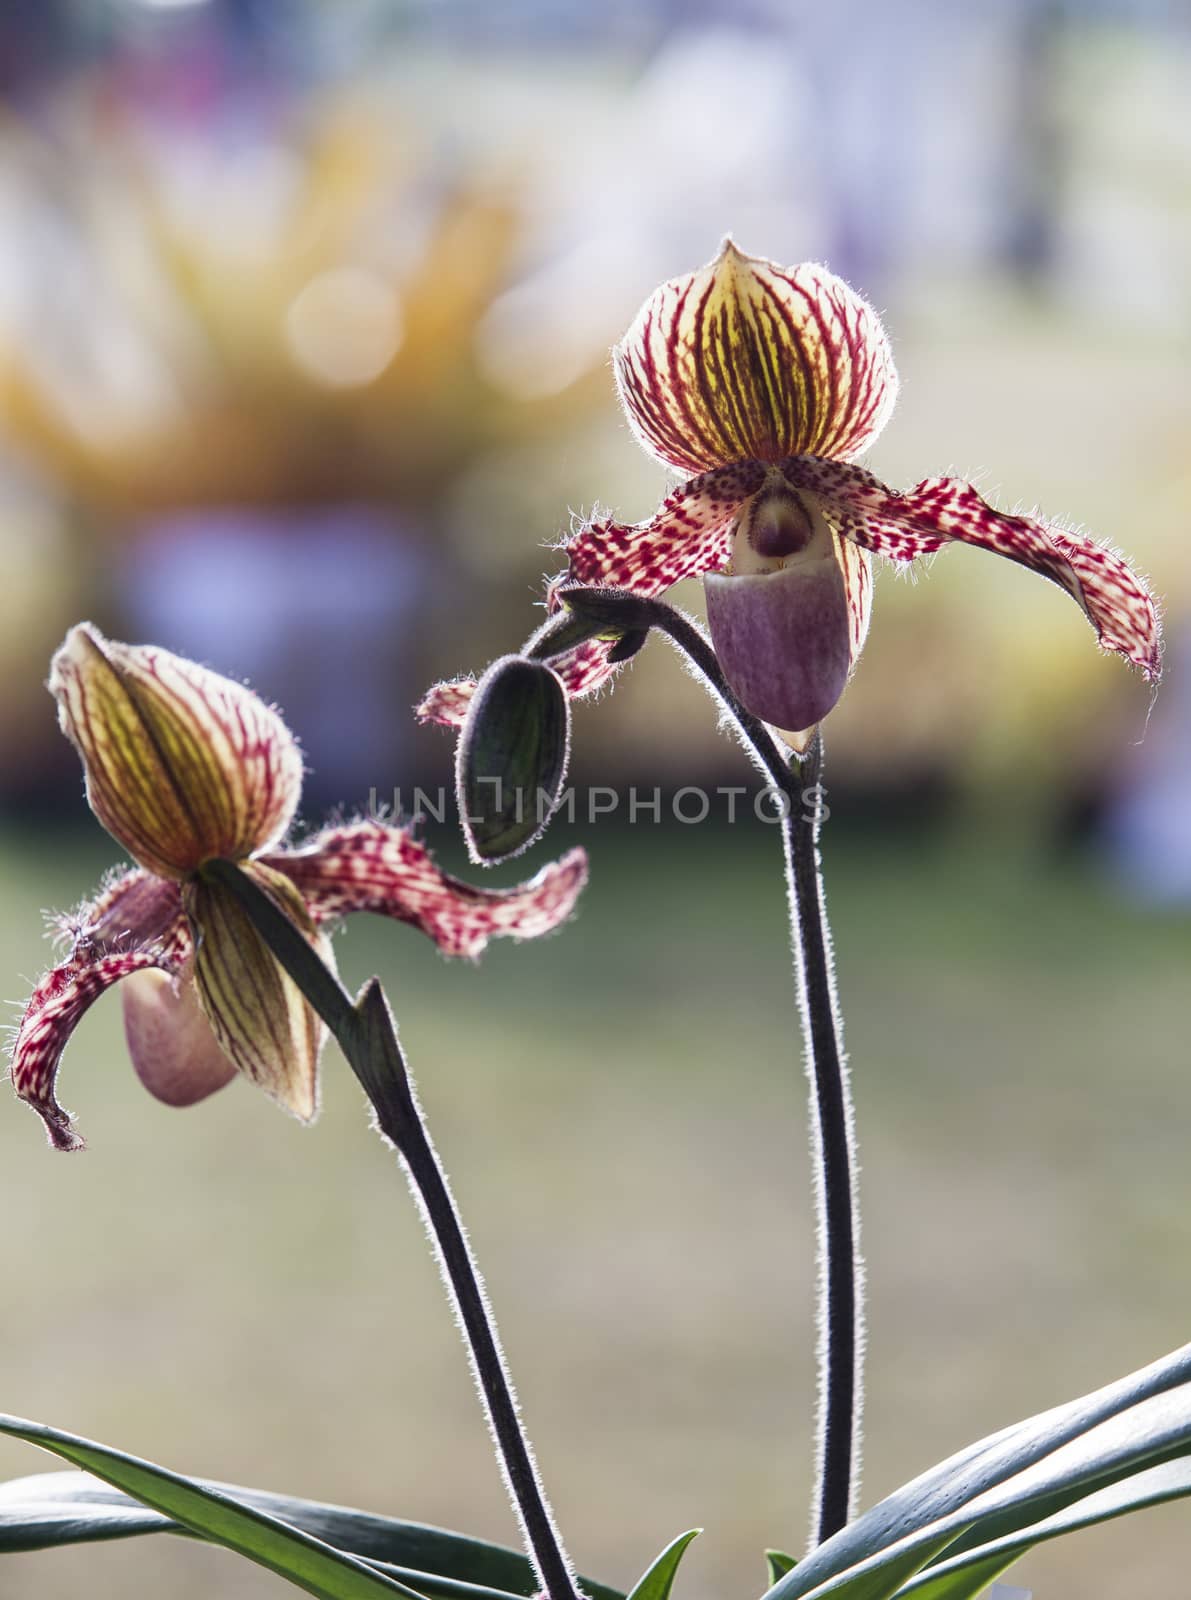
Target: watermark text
689 805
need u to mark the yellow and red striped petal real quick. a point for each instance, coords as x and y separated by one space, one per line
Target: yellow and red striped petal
745 360
134 926
182 764
942 511
375 866
260 1018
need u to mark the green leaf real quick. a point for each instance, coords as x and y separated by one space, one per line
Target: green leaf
513 752
659 1578
306 1562
779 1563
965 1583
55 1508
954 1577
1011 1479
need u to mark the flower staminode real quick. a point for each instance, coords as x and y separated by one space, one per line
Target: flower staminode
763 384
184 766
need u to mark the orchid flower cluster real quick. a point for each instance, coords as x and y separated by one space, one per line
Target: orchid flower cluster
766 384
761 386
184 767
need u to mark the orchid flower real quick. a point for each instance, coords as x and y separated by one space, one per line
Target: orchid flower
183 767
762 385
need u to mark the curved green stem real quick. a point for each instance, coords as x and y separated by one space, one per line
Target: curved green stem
840 1283
367 1037
834 1153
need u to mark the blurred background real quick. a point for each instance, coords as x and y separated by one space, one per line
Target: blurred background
305 312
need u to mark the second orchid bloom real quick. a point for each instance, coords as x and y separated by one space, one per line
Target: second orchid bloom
766 383
183 767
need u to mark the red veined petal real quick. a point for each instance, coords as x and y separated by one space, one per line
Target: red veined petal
375 866
689 534
940 511
746 360
134 925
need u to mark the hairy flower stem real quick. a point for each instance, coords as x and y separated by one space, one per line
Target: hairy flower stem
400 1119
840 1284
833 1145
365 1033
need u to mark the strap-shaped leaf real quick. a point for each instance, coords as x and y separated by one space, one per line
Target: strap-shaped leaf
966 1583
41 1522
306 1562
962 1576
658 1579
1024 1471
1108 1455
55 1508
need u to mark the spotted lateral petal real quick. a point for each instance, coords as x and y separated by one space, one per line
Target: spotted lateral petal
939 511
581 670
446 703
182 765
746 360
691 533
374 866
135 925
